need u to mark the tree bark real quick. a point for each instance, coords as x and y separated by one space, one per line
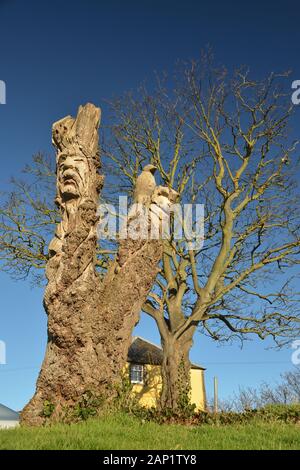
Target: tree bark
89 321
176 368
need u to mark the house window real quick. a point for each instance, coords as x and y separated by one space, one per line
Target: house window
136 374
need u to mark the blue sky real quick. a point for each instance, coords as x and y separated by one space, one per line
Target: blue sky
56 55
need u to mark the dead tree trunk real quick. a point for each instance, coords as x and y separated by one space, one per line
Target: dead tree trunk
89 321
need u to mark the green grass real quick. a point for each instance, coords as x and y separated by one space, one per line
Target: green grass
126 432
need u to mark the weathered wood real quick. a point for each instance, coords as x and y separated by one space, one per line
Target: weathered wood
89 321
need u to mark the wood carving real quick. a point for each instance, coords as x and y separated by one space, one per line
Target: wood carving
89 321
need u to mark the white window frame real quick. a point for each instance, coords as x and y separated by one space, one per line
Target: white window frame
138 369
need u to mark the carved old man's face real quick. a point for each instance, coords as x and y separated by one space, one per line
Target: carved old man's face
72 172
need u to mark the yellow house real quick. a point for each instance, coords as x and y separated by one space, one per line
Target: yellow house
144 367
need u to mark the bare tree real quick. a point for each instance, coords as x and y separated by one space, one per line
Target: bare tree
28 217
285 392
291 380
223 141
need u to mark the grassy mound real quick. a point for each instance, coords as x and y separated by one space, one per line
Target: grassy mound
122 431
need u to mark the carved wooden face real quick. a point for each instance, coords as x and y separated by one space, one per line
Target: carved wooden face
73 173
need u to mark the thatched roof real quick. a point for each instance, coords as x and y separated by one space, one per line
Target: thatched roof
142 351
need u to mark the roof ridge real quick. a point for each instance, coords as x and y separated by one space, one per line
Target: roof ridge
134 338
146 340
7 414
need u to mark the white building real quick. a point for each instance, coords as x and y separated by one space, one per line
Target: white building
8 417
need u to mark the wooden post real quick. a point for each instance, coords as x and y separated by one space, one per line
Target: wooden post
215 394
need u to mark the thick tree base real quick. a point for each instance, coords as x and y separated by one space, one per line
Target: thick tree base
176 369
89 334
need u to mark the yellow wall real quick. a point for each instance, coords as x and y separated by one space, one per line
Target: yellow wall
198 393
149 392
